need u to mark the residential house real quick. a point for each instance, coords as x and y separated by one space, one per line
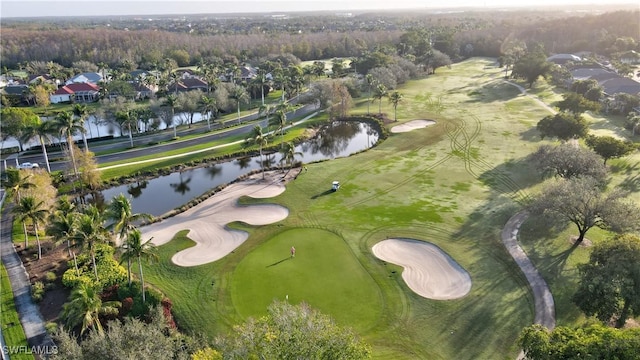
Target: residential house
43 79
16 93
188 74
189 84
248 73
630 57
143 91
90 77
76 92
562 59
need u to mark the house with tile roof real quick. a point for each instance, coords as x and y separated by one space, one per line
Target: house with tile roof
89 77
76 92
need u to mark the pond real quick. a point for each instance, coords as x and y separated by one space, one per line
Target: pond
165 193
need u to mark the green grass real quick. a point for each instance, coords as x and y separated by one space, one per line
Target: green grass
454 184
224 148
324 273
11 328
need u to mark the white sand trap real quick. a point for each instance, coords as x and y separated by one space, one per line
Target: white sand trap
207 221
428 270
412 125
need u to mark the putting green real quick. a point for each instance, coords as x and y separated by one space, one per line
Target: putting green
324 273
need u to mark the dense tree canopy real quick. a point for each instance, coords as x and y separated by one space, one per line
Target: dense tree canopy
609 147
610 282
581 202
590 342
15 122
292 332
577 104
568 161
531 66
130 339
563 126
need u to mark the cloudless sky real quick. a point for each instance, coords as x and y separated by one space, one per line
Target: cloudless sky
32 8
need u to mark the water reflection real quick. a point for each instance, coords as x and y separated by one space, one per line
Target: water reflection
154 197
135 190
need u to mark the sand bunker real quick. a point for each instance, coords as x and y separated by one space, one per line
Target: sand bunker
412 125
428 270
207 220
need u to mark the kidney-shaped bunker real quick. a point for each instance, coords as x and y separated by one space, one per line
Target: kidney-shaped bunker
428 270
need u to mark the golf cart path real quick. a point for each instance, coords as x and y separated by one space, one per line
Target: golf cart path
524 92
544 307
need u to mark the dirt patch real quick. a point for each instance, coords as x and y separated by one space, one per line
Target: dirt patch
54 260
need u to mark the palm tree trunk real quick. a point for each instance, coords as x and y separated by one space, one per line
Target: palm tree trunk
26 237
35 226
84 140
129 270
141 278
73 157
46 156
75 263
93 261
130 135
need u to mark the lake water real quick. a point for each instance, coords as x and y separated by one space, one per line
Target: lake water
162 194
96 128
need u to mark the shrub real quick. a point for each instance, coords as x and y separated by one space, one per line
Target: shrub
110 272
37 291
51 327
50 277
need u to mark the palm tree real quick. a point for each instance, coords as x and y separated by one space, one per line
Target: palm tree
395 98
208 105
68 125
62 227
281 79
89 232
370 82
134 248
379 93
15 182
82 113
280 120
289 154
32 209
125 118
123 220
239 94
172 101
41 130
85 307
261 80
259 138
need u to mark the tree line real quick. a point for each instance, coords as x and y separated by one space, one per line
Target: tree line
459 36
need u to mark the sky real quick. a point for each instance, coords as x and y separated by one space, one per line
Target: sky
39 8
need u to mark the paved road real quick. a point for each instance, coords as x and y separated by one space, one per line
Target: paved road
544 306
166 135
28 312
